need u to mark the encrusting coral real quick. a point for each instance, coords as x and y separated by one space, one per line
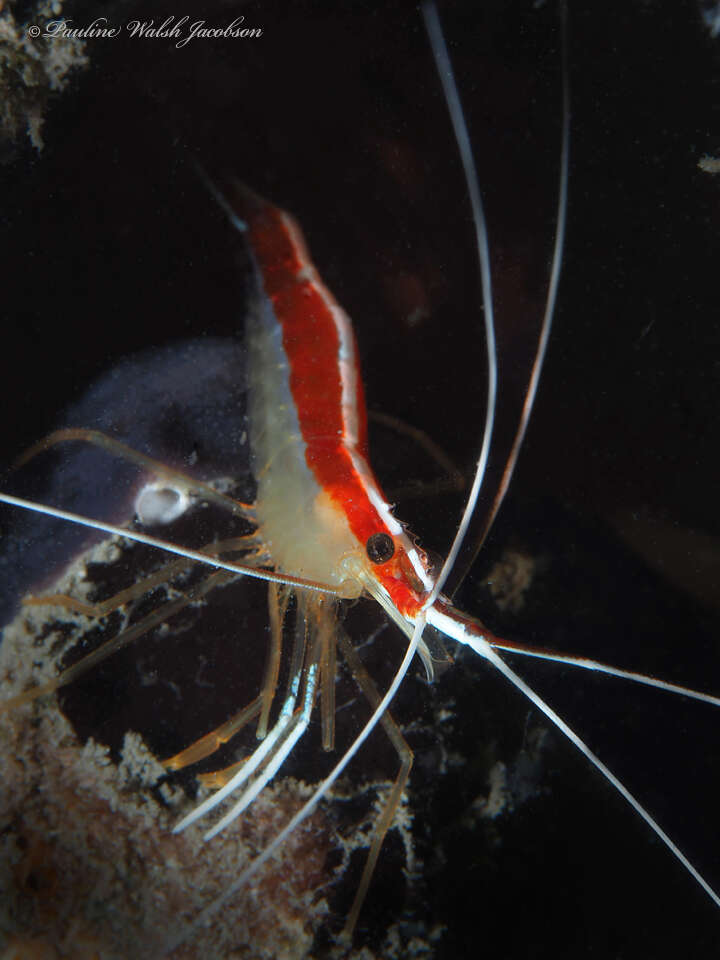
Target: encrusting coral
89 865
33 68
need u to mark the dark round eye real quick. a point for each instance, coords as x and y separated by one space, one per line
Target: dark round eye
380 547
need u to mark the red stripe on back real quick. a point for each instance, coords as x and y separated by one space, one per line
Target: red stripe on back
312 345
302 304
311 341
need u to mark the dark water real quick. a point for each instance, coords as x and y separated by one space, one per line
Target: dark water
115 247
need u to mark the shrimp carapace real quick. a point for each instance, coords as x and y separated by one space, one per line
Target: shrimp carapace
319 507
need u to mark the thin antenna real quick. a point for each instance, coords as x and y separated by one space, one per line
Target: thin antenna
258 573
453 627
459 575
217 194
457 117
585 663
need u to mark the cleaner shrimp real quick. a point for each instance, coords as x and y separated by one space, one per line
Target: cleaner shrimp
547 464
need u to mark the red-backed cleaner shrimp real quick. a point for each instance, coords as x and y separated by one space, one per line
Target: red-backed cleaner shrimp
641 340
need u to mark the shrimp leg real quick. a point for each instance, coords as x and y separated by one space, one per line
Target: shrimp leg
117 643
277 744
117 448
249 545
405 754
206 745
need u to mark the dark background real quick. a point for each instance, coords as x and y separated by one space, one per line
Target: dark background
113 246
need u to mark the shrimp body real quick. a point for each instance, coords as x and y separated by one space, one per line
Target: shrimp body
320 510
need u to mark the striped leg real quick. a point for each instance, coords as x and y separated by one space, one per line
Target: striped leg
295 730
267 758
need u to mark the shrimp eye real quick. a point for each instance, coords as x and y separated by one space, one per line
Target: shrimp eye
380 547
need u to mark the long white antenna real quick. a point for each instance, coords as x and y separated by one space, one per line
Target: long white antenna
539 360
455 628
596 666
452 98
188 554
